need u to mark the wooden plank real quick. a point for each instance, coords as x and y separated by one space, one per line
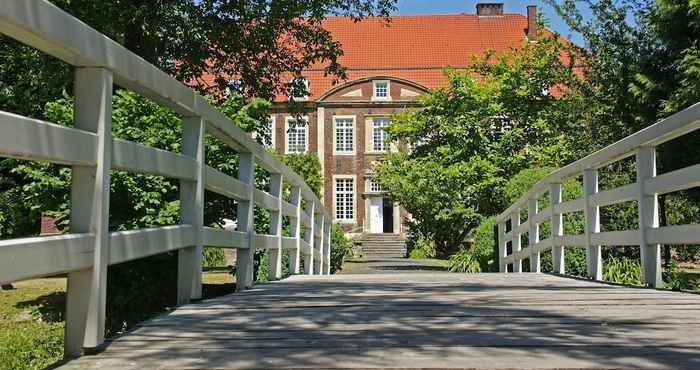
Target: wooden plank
573 205
616 238
680 234
134 157
427 320
34 257
621 194
264 241
265 200
221 238
223 184
685 178
134 244
26 138
288 209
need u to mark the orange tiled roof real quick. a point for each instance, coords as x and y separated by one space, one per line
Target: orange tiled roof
416 47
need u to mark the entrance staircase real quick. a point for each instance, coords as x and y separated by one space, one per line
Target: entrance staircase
381 245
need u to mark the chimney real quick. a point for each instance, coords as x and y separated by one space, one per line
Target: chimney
532 22
489 9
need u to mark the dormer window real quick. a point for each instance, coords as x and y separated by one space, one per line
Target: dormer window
381 90
299 88
234 86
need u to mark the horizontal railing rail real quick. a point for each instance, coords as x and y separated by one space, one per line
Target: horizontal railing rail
89 247
645 190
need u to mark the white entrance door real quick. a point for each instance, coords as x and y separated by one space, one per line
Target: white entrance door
376 215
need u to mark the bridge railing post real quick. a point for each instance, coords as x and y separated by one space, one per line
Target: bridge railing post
648 210
327 247
516 245
86 296
533 235
310 210
295 230
275 228
246 222
189 275
318 243
557 228
502 247
594 262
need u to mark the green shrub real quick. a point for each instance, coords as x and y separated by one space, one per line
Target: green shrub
464 261
213 257
422 247
341 248
485 250
622 271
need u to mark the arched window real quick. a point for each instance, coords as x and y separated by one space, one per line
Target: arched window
299 88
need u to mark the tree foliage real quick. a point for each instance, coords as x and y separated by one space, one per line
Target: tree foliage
476 133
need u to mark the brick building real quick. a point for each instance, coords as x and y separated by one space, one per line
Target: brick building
388 66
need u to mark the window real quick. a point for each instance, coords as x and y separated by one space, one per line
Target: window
296 135
379 126
344 135
234 85
374 187
299 88
344 199
381 90
266 135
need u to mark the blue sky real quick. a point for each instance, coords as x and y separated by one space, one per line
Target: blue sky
412 7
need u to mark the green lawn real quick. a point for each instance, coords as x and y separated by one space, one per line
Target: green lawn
31 318
31 324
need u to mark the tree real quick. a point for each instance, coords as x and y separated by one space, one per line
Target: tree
473 135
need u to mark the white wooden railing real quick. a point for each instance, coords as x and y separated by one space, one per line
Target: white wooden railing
642 145
89 148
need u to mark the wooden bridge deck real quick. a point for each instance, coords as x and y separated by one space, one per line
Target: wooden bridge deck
429 320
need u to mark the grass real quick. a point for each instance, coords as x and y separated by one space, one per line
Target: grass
31 326
31 318
363 265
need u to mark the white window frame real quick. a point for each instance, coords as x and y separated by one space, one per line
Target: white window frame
335 135
354 199
371 182
306 84
287 120
386 147
388 90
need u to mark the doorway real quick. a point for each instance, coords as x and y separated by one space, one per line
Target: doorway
381 215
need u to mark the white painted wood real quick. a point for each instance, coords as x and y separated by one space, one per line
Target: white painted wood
502 243
26 138
134 157
295 226
221 183
616 238
135 244
189 278
275 228
678 234
679 124
86 297
580 241
309 233
327 247
46 255
305 249
305 219
573 205
515 243
685 178
225 238
266 200
246 222
557 229
289 243
319 243
541 216
621 194
264 241
533 235
288 209
648 209
591 212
